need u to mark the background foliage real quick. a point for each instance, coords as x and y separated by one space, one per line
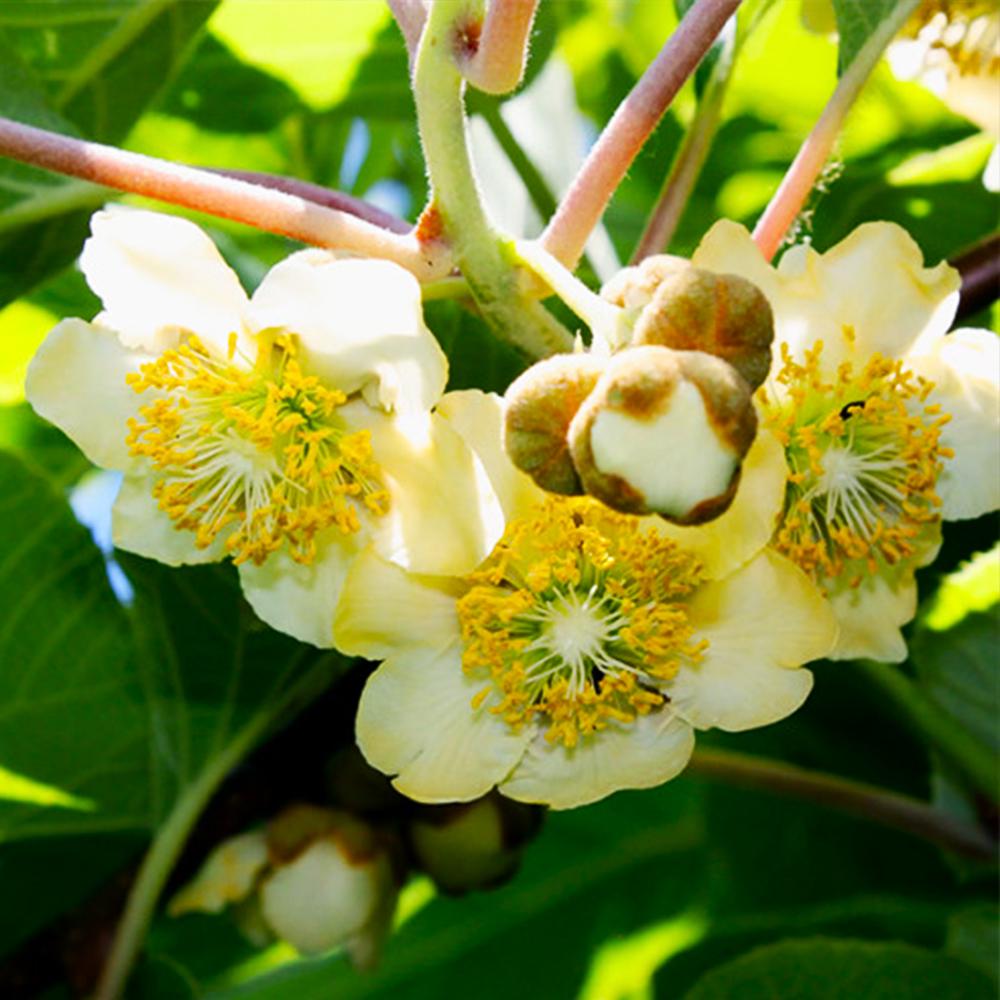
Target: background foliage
123 684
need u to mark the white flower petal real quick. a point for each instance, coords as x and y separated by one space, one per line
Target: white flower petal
741 532
76 381
158 273
443 516
652 750
761 624
416 721
138 525
478 417
965 370
359 325
300 599
384 609
870 616
870 293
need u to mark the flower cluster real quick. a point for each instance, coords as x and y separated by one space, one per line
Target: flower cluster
533 639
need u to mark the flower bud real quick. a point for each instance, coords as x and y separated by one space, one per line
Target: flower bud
473 845
690 309
664 432
539 407
228 876
332 884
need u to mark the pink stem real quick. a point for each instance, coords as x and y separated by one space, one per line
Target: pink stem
495 60
794 189
796 185
224 197
410 15
320 195
629 128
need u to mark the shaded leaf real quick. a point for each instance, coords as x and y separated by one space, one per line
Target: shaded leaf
828 969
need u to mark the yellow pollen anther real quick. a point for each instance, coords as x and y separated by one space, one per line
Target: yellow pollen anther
864 455
258 452
577 620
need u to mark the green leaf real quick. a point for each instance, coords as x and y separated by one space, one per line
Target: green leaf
594 873
116 712
857 20
957 671
828 969
972 936
217 91
80 68
72 715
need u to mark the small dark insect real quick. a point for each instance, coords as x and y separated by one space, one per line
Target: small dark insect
848 409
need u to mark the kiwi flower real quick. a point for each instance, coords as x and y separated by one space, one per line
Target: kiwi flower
889 422
581 654
285 431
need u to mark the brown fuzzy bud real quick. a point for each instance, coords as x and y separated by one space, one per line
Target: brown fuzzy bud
539 407
664 432
690 309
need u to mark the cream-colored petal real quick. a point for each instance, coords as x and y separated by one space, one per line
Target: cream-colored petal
416 721
138 525
478 417
652 750
761 624
384 609
742 531
870 293
158 273
300 599
869 618
444 517
359 324
227 876
76 381
965 370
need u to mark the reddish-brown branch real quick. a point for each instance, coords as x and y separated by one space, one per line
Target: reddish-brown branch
320 195
630 127
225 197
495 63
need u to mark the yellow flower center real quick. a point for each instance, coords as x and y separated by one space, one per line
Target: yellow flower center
258 451
577 619
864 456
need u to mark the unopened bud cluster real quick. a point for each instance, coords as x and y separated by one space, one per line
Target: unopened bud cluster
322 878
663 425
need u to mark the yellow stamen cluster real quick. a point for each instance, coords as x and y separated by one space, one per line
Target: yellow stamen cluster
967 30
864 456
255 451
577 619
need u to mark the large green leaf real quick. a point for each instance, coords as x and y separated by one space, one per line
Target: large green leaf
85 68
828 969
72 715
109 714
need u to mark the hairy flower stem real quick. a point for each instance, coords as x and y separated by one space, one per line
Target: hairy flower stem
683 176
485 257
173 833
496 61
901 812
957 745
630 127
225 197
797 184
